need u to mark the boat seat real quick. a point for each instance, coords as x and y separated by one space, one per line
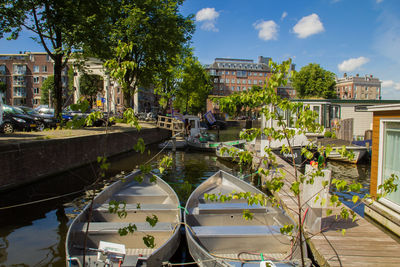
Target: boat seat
112 227
236 231
143 207
227 207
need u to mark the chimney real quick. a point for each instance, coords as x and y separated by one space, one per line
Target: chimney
345 74
357 75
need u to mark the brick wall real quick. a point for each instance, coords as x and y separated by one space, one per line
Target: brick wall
27 162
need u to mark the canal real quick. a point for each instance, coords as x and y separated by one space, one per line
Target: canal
34 234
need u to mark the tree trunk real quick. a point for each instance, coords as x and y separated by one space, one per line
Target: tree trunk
57 84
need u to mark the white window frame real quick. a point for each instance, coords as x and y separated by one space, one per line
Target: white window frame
384 201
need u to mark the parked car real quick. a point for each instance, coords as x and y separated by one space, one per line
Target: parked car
42 120
15 120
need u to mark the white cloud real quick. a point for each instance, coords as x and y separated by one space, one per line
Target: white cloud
209 17
284 15
308 26
390 84
268 30
352 63
379 1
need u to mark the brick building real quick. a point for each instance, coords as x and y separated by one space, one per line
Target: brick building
358 88
24 75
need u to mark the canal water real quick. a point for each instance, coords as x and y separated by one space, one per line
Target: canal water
34 235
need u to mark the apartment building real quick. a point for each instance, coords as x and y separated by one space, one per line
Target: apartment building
358 87
235 75
24 75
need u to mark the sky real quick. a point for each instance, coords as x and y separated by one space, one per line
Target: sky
343 36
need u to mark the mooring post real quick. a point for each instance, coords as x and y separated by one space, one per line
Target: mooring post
173 144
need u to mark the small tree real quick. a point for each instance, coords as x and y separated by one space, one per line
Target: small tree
313 81
90 85
271 106
46 90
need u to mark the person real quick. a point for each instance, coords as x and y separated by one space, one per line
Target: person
187 127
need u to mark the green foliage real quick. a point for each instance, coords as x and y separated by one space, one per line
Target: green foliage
92 117
90 85
193 88
140 146
103 165
47 87
114 208
146 37
149 241
165 163
313 81
3 87
130 229
130 118
152 220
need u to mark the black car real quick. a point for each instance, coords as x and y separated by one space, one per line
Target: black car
42 120
14 119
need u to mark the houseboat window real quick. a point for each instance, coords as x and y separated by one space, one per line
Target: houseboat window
361 108
391 156
316 110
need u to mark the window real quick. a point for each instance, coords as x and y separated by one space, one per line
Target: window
227 73
36 101
2 69
36 91
118 90
215 80
213 72
19 91
233 80
233 73
260 74
44 68
35 69
238 88
254 82
233 88
222 80
118 101
35 79
19 69
228 81
366 88
19 80
389 158
249 81
238 81
44 78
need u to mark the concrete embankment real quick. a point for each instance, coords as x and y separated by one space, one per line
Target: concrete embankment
26 160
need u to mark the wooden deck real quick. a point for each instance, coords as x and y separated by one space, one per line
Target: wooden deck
362 245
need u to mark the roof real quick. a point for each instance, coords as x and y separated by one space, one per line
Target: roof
384 107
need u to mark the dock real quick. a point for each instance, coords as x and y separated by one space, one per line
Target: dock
363 244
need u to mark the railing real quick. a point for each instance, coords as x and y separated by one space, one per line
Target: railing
169 123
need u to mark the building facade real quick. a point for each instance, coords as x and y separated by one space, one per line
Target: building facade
358 88
236 75
24 74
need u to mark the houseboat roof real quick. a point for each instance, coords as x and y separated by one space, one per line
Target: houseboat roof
349 101
384 107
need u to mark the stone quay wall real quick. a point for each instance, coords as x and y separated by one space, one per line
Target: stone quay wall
26 162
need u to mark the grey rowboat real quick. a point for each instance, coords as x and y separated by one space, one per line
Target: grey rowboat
154 198
218 235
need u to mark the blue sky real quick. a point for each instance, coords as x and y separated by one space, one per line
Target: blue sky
352 36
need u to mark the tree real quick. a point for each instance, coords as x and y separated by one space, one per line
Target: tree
313 81
193 88
48 87
271 106
147 35
60 27
90 85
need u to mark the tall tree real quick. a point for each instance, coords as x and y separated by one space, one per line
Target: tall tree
90 85
194 87
60 27
313 81
147 35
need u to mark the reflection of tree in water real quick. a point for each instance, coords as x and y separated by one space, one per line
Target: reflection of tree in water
56 252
